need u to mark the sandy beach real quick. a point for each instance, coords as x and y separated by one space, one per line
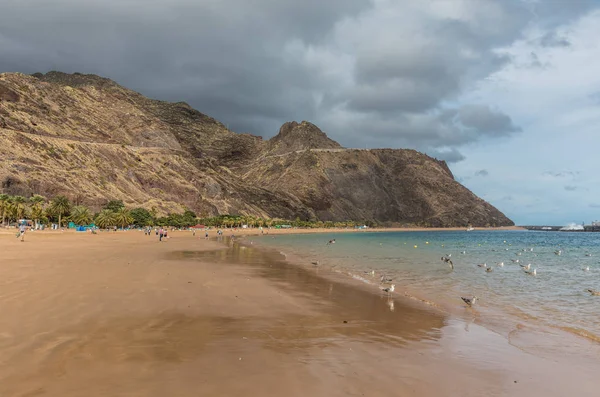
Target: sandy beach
120 314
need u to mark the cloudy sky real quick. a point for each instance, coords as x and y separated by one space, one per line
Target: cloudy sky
507 91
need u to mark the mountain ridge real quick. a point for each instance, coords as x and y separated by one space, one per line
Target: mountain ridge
87 136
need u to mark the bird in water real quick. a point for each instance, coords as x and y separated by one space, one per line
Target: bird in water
451 265
447 260
482 265
558 252
588 254
469 301
531 272
500 264
390 289
463 252
593 292
489 269
586 269
385 279
518 254
526 267
515 260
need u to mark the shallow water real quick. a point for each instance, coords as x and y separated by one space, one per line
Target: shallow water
556 297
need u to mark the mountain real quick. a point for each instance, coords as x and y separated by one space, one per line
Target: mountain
89 138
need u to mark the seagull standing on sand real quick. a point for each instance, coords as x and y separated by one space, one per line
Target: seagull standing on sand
469 301
317 263
390 289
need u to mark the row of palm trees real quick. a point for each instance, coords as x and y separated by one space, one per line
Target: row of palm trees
60 209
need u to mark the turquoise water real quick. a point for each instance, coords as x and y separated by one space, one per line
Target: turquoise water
557 296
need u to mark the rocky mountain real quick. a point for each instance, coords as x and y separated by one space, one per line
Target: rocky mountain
93 140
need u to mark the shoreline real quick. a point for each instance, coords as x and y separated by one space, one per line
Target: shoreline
494 319
121 314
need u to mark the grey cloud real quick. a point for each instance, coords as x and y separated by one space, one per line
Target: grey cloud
450 156
552 39
482 173
561 174
369 73
571 188
486 121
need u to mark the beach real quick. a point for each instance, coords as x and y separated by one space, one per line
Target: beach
121 314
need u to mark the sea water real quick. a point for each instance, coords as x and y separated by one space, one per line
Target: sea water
557 296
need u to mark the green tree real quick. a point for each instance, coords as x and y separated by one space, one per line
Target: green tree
114 205
81 215
123 217
105 218
60 207
19 206
4 205
37 208
141 217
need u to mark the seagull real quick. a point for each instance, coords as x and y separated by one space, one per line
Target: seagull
530 249
451 265
469 301
370 272
593 292
501 264
390 289
531 273
559 252
515 260
463 252
489 269
588 254
518 254
385 279
482 265
317 263
586 269
526 267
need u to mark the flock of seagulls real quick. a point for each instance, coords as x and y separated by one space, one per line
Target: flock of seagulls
470 301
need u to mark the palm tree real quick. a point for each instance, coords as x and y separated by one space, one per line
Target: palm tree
4 204
37 208
81 215
19 207
123 217
60 206
105 219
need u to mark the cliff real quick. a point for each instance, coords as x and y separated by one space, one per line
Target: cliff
93 140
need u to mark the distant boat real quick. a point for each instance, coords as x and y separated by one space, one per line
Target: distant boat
470 229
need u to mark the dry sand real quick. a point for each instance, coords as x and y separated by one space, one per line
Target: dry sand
120 314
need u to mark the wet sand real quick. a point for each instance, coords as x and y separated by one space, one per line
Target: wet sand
121 314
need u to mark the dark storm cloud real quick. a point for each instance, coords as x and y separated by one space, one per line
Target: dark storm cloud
371 73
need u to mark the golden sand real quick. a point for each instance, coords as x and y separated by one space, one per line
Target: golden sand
120 314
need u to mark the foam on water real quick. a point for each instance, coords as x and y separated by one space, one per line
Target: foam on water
556 297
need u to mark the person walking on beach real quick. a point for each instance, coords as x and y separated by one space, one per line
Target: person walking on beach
160 234
22 230
206 236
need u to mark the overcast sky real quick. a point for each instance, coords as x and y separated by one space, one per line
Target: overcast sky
507 91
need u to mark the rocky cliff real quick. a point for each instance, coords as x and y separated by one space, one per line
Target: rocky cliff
93 140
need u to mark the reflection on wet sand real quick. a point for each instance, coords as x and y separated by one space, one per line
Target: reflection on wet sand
346 311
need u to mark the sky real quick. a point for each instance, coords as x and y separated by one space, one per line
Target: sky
506 91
